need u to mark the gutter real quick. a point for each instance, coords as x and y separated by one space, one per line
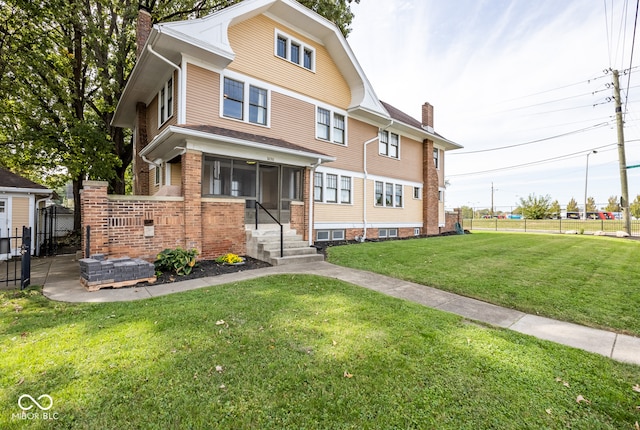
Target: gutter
366 175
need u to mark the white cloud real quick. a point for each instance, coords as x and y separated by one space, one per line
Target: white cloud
476 60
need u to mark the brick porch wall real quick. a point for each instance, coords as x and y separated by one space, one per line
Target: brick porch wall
143 226
222 227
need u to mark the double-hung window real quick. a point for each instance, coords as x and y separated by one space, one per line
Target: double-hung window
389 144
233 106
257 105
338 128
165 102
388 194
317 187
235 95
323 124
345 189
332 188
331 126
436 157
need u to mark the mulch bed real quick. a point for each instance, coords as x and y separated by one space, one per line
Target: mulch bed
207 268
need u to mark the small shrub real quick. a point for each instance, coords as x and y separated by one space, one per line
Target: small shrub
229 259
176 260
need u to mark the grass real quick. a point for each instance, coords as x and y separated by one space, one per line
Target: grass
594 281
294 352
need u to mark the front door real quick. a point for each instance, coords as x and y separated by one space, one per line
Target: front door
268 195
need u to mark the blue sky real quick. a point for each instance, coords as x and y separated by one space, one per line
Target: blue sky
503 73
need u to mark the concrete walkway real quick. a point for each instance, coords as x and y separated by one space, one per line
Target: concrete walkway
60 277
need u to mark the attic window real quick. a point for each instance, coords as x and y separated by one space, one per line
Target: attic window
294 51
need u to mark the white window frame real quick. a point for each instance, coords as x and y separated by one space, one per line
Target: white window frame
392 232
157 175
416 231
323 187
384 145
303 49
436 158
382 233
417 194
323 232
165 102
248 84
394 194
337 235
331 128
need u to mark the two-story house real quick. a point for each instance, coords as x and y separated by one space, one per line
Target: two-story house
264 102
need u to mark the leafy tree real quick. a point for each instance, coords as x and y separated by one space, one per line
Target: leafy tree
591 205
466 212
63 67
534 207
555 209
634 208
613 204
572 206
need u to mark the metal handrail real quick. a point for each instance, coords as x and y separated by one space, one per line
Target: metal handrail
273 218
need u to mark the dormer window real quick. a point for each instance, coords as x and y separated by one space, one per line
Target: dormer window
165 102
294 51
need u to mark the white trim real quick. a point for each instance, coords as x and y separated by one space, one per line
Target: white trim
10 191
292 40
247 83
359 225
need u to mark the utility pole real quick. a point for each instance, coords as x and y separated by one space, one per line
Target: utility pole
622 159
492 200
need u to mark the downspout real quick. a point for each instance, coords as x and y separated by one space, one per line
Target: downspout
151 163
366 175
311 200
181 120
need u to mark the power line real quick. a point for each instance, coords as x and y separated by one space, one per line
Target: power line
633 44
593 127
532 163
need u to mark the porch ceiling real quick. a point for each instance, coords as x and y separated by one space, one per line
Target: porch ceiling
216 140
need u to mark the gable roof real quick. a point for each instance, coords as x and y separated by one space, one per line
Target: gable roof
414 125
207 39
19 183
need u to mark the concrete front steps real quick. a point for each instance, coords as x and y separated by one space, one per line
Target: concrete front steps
264 244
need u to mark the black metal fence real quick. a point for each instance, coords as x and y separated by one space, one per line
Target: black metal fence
55 233
551 225
15 256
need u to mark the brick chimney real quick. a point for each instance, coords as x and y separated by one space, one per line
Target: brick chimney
143 28
427 117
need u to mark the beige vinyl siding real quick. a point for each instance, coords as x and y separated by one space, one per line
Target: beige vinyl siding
407 167
253 42
153 188
176 173
410 213
19 214
291 119
342 213
152 112
203 96
152 119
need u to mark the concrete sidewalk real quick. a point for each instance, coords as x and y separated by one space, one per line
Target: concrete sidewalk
61 279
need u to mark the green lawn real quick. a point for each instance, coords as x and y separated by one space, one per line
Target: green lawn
294 352
588 280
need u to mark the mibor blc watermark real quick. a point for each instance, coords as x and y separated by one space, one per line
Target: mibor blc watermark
35 408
